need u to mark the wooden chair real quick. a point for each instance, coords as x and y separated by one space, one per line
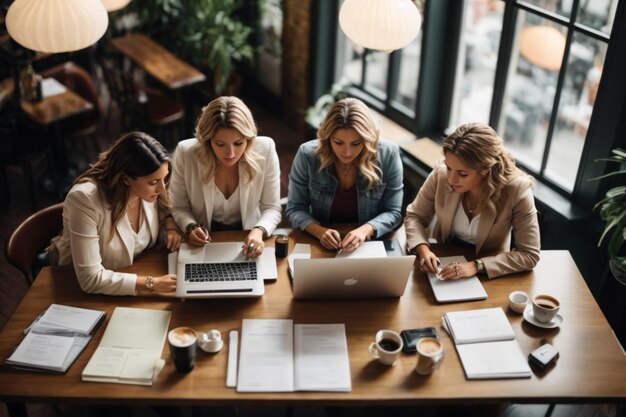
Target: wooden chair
84 126
143 107
31 237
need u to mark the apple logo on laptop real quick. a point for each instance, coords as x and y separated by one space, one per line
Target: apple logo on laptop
350 281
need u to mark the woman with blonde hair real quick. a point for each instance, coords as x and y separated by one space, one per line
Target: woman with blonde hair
347 175
227 178
113 213
479 197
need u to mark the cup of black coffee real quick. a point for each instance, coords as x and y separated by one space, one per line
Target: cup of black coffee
281 246
182 342
386 347
545 307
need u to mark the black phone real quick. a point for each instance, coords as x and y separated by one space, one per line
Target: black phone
410 337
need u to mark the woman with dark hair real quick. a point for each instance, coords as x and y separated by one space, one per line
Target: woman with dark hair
480 198
227 178
113 212
347 175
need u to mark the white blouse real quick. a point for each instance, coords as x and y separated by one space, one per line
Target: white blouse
227 211
464 228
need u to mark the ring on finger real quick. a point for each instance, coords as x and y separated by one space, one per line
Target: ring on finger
422 262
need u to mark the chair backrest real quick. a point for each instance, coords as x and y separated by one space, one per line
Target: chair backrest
78 80
32 236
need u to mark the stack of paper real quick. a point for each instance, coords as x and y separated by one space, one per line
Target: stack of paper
272 361
56 338
130 350
486 344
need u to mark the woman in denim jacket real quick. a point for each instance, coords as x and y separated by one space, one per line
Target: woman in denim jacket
348 175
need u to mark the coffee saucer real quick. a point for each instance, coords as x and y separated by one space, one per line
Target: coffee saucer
530 317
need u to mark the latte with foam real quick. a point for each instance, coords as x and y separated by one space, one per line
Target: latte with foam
182 337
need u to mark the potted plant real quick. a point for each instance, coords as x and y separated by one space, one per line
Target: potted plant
613 212
205 33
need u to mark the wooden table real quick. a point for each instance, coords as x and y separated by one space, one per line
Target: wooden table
52 109
157 61
591 367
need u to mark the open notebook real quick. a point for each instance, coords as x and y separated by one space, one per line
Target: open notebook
451 290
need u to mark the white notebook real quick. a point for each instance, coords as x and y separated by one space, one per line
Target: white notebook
451 290
485 342
131 347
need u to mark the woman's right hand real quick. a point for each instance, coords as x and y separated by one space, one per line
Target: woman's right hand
427 259
331 239
165 283
198 237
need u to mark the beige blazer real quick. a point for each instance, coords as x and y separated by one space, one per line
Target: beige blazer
192 201
86 241
517 214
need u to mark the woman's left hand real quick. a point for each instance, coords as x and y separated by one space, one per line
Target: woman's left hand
173 239
458 270
253 245
355 238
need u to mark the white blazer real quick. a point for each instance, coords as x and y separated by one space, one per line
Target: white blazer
192 201
87 243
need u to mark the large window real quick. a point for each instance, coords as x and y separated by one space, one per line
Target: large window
531 69
388 81
540 93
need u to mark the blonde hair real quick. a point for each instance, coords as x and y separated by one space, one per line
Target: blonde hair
226 112
133 155
351 113
480 148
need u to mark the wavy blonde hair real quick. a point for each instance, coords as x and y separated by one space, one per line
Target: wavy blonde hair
351 113
133 155
480 148
226 112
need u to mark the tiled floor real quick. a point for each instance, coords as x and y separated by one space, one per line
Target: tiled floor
13 288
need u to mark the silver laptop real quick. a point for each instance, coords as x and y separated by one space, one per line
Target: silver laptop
219 270
351 277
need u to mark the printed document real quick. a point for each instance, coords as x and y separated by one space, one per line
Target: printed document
55 339
273 360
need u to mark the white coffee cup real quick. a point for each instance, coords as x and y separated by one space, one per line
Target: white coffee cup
545 307
518 300
429 355
387 347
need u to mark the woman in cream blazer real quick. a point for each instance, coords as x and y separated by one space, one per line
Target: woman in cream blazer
114 212
227 178
479 198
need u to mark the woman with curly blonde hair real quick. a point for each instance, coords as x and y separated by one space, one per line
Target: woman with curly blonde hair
347 175
227 178
113 212
479 198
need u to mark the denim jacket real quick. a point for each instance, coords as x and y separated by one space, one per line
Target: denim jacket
311 193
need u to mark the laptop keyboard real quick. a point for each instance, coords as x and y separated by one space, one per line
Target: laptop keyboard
221 271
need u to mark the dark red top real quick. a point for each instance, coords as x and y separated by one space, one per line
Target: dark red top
345 208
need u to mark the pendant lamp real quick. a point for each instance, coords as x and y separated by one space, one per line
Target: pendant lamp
56 25
113 5
542 46
384 25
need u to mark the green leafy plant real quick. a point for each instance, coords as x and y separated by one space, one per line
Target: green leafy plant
205 33
316 113
613 211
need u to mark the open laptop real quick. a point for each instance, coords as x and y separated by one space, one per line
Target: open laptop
351 277
210 271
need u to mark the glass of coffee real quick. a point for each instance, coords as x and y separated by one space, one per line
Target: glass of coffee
429 355
182 342
386 347
281 246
